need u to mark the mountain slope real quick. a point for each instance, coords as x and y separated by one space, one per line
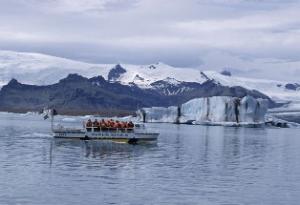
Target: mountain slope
38 69
277 90
76 94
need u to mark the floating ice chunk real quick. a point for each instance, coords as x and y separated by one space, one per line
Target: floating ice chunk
69 119
262 108
193 110
232 109
159 114
253 110
217 109
247 109
214 110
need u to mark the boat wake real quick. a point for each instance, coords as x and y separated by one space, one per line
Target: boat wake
37 135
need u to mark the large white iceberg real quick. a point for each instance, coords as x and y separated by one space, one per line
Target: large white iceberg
214 110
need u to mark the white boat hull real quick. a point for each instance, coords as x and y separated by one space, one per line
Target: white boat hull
119 136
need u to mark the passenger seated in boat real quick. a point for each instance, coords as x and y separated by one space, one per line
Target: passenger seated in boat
130 125
117 125
102 124
89 123
105 124
96 125
112 123
123 125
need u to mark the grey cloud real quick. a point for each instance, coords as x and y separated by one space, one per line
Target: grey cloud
180 33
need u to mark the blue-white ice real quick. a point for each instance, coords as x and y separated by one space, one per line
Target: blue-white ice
217 109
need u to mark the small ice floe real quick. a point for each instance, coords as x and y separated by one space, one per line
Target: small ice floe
231 124
128 118
69 119
85 117
276 122
29 114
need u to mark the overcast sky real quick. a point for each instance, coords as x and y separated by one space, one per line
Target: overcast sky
256 37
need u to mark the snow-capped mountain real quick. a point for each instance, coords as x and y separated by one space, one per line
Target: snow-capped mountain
277 90
39 69
76 93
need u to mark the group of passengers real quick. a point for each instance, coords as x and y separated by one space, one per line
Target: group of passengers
107 124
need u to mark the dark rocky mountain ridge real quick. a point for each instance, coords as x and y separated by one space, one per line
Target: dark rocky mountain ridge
78 95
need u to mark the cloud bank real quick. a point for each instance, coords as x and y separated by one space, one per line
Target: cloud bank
254 37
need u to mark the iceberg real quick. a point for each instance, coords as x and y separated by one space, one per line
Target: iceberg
159 114
210 110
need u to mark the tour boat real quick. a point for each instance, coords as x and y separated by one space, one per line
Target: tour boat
134 135
131 136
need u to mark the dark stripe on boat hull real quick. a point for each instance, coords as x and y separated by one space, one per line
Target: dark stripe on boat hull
124 140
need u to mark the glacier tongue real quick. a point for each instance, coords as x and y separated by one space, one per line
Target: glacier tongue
217 109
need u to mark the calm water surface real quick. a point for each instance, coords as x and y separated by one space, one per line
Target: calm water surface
188 165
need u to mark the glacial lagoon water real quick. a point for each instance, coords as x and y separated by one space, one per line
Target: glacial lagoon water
188 165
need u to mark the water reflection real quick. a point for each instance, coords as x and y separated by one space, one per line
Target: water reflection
188 165
215 149
96 149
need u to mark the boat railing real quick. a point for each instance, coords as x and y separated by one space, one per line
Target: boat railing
107 129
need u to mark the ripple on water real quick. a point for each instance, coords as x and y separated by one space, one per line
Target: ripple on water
188 165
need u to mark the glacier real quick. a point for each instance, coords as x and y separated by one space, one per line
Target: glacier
210 110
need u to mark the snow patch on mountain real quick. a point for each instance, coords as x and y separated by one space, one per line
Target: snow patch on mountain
172 81
144 75
39 69
274 89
